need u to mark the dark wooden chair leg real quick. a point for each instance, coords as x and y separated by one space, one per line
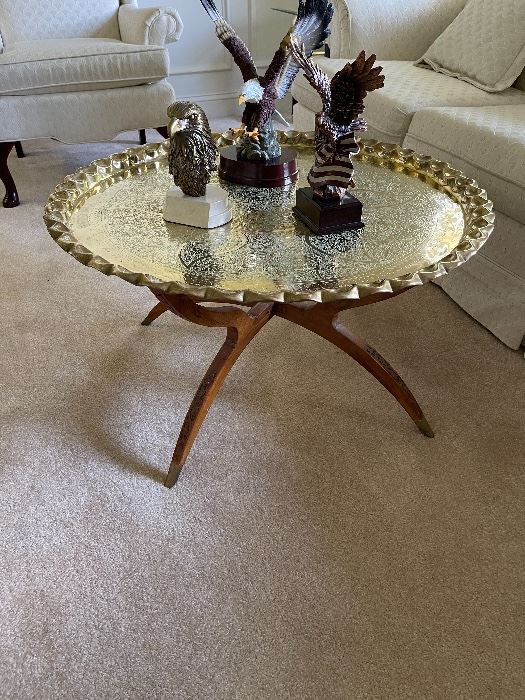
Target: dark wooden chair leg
19 150
154 314
142 137
242 327
322 319
163 131
11 195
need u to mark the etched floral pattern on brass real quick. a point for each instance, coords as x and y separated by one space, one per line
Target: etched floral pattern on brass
422 218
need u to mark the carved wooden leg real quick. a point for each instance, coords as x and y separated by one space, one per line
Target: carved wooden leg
163 131
11 195
19 150
322 319
154 314
242 328
142 137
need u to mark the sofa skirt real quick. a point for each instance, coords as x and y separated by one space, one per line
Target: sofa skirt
491 285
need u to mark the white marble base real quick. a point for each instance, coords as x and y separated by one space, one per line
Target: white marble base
209 211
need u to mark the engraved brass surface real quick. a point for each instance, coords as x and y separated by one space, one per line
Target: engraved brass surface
422 218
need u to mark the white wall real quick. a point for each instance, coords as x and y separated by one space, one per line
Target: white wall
202 69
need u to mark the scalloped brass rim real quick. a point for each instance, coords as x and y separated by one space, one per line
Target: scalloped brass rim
477 210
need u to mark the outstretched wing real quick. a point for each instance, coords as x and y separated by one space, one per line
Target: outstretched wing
310 31
231 41
352 83
315 76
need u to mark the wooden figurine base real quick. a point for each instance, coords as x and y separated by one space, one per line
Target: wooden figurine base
254 173
329 217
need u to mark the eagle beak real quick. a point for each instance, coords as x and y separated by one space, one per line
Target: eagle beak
176 126
242 100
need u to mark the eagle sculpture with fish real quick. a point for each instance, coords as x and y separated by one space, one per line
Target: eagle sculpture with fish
257 137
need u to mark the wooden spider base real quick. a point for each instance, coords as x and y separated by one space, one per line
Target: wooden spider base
243 325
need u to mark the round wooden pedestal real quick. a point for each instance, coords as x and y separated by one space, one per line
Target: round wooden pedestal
255 173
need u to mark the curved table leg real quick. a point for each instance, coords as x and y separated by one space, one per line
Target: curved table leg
154 314
322 319
242 328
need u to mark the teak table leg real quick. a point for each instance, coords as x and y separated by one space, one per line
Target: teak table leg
242 328
322 319
154 314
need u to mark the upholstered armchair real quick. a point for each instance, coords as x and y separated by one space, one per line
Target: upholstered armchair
78 71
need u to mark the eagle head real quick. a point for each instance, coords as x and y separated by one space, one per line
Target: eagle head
185 116
252 92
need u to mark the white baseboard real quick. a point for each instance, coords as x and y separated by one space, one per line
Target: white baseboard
216 105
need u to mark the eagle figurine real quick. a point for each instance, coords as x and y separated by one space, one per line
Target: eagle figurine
257 137
335 125
192 153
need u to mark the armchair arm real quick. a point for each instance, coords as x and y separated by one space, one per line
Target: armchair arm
149 25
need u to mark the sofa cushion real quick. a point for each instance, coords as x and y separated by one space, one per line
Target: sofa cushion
407 90
72 65
471 50
486 143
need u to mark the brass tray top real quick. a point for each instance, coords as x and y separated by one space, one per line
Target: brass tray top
422 218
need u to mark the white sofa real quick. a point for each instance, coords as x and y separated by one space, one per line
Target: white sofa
78 71
482 133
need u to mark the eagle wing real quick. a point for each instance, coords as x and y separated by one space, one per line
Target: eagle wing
235 45
315 76
310 31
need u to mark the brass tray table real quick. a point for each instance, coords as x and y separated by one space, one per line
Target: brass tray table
422 218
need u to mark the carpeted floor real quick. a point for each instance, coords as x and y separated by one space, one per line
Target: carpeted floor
316 546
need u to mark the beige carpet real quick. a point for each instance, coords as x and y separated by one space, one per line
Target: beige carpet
317 546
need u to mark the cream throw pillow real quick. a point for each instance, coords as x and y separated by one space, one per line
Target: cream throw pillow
484 45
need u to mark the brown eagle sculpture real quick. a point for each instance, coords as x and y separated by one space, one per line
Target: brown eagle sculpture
335 125
258 140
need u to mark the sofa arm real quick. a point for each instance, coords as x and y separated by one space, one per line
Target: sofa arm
397 30
339 39
149 25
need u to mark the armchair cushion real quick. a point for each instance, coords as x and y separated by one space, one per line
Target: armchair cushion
407 90
149 25
71 65
91 115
